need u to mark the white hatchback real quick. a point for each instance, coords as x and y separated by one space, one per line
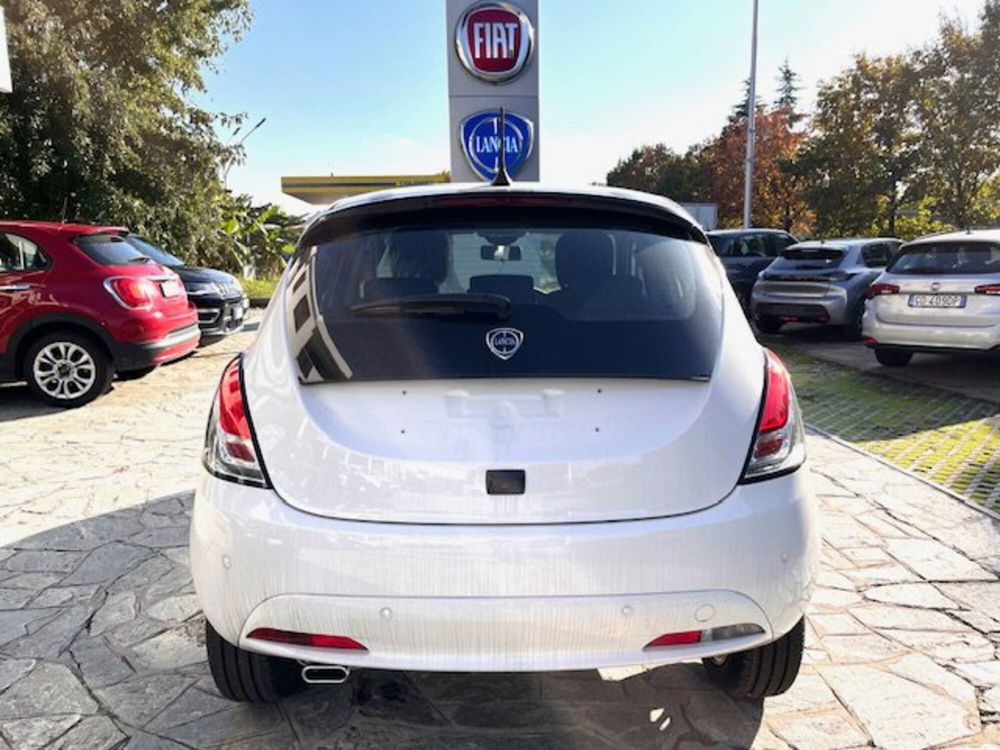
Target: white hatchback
939 294
503 429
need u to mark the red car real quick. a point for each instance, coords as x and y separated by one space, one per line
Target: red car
79 304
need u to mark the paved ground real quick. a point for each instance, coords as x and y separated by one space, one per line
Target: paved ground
100 631
976 377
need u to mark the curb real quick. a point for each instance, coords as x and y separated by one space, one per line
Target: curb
924 480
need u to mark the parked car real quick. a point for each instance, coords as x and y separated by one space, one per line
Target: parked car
78 304
747 252
821 282
940 294
217 295
500 400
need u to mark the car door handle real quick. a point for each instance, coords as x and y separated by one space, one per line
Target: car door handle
14 287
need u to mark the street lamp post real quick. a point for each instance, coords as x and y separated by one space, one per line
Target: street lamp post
229 164
751 125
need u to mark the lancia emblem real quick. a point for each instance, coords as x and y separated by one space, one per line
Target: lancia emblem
494 41
481 142
504 342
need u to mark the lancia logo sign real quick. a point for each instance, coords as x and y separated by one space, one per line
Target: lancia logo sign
481 142
504 342
494 41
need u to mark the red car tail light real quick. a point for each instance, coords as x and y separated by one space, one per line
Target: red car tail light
684 638
230 449
779 444
991 289
131 292
878 289
316 640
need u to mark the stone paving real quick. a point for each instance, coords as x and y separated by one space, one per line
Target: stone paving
101 645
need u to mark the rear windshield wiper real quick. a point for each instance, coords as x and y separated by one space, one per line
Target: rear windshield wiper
438 305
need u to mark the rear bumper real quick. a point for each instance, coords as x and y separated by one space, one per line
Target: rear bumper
135 356
930 338
504 598
832 308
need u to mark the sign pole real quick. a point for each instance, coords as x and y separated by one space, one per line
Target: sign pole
751 125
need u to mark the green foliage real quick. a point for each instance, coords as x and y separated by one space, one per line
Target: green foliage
658 169
259 288
100 128
252 237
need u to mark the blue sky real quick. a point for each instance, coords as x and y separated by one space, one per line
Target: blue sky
360 86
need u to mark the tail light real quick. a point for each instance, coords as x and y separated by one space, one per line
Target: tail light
131 292
876 289
991 289
316 640
779 444
231 452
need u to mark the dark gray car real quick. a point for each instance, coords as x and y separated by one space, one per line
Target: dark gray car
821 281
745 253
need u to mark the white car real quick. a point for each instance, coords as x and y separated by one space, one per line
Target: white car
939 294
503 429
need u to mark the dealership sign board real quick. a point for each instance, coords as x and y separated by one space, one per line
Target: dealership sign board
493 63
5 82
482 142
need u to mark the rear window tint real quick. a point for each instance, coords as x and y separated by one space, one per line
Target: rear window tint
808 258
405 301
948 258
109 250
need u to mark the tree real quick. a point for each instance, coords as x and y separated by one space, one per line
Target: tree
779 187
100 127
739 110
958 112
658 169
863 149
788 92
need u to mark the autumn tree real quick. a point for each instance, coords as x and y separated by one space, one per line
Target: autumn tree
101 126
779 188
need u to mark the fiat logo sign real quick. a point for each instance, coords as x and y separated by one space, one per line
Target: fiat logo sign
494 41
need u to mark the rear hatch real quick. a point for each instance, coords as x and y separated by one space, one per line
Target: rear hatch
943 284
803 271
503 366
127 271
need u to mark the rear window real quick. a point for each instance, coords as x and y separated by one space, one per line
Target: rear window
948 258
150 250
109 250
808 258
583 298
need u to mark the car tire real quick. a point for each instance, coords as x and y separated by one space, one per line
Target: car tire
852 331
247 677
892 357
136 374
763 671
67 369
769 325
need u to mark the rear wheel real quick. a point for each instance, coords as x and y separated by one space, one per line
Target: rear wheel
766 324
762 671
892 357
242 675
853 329
67 369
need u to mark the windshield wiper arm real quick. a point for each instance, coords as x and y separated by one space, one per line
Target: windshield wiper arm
438 305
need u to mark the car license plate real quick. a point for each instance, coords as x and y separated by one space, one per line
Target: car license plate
170 288
937 300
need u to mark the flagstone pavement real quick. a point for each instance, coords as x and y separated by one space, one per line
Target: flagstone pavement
101 640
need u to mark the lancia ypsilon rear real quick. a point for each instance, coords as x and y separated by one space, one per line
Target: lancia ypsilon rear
503 429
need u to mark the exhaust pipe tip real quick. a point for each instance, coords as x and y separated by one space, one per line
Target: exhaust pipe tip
325 674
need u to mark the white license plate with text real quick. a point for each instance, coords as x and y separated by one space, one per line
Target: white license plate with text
937 300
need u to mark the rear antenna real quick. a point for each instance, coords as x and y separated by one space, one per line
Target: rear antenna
503 178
